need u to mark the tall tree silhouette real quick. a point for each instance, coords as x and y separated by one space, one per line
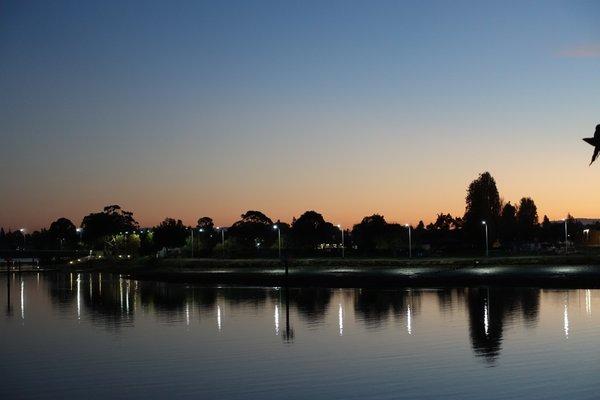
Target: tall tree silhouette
527 219
508 225
483 204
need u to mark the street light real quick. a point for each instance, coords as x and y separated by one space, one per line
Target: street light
276 227
80 233
487 251
222 238
566 237
22 230
199 230
409 241
340 227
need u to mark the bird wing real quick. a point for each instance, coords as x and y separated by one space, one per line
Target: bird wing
589 140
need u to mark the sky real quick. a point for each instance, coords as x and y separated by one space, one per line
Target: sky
211 108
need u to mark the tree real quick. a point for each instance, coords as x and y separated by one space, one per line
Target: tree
98 227
62 233
483 204
508 224
546 231
311 229
253 231
371 231
205 237
170 233
205 223
527 219
443 222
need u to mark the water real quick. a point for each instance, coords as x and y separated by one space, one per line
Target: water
101 336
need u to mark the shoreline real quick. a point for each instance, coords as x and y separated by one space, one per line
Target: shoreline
550 271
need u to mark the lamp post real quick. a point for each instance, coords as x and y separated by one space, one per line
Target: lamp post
487 251
22 230
192 230
409 241
343 253
222 238
79 233
566 237
276 227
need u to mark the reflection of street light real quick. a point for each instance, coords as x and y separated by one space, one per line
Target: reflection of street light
276 227
487 252
340 227
409 241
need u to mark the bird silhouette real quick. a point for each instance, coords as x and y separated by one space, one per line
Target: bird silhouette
594 141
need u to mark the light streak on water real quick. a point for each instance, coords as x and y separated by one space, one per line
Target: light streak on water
409 320
219 317
78 296
121 292
187 313
588 302
276 319
566 321
22 299
127 297
341 319
486 318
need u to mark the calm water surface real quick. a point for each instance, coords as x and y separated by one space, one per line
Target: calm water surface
101 336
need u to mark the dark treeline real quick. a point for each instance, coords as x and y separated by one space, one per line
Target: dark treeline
512 228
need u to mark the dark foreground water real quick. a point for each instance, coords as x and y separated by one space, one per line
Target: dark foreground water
99 336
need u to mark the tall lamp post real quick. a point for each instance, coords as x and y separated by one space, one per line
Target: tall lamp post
222 238
409 241
278 229
192 232
22 230
79 233
566 237
343 247
487 251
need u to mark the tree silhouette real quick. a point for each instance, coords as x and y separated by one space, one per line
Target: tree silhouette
508 224
527 219
311 229
112 220
483 204
253 231
370 232
170 233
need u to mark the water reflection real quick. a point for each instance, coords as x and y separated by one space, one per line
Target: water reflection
489 309
114 302
378 307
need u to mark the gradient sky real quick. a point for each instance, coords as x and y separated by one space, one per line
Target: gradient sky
187 109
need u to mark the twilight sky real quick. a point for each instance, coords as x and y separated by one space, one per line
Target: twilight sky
194 108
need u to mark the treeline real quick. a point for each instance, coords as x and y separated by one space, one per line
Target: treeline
511 228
